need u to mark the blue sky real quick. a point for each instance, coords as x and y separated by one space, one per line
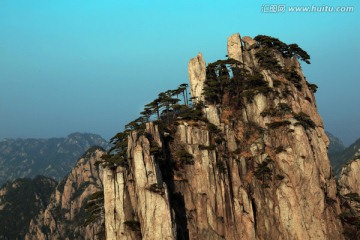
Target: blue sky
90 66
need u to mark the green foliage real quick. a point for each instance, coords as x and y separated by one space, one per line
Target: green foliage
133 225
224 77
219 140
117 154
255 81
268 60
156 189
251 93
271 42
94 207
284 108
221 166
253 85
299 53
279 149
185 157
330 200
312 87
287 51
277 83
279 177
278 124
293 76
155 150
80 190
263 172
191 113
166 105
217 79
350 216
213 129
280 110
60 186
304 120
210 147
227 80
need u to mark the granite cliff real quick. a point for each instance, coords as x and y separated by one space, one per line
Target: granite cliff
349 194
65 215
248 161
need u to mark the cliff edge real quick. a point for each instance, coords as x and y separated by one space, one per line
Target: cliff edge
248 159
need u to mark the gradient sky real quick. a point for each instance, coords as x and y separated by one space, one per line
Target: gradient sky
90 66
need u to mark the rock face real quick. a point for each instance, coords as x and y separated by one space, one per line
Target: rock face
234 47
259 171
349 192
249 43
137 205
197 75
349 180
65 215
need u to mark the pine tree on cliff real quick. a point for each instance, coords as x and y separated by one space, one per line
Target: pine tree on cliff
286 50
183 88
154 106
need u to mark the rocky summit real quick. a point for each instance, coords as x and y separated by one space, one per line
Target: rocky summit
245 157
252 164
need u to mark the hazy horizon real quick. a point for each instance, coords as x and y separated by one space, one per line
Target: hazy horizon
73 66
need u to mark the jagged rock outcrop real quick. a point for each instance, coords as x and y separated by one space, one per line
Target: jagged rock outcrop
234 47
137 205
349 180
197 75
65 215
255 169
249 43
349 193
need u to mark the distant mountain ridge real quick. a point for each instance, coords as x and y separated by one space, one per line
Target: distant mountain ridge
336 144
53 157
340 155
350 153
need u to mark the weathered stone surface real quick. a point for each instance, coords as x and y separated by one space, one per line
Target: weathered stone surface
263 174
64 216
234 47
249 43
197 76
349 179
117 205
212 114
143 201
153 208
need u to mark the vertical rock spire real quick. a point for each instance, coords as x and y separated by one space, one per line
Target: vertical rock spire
234 47
197 76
